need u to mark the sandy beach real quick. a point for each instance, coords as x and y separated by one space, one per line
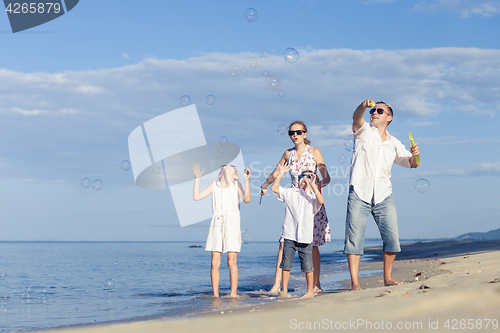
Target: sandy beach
447 286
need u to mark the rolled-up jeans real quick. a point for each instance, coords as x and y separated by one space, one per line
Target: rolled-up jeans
358 213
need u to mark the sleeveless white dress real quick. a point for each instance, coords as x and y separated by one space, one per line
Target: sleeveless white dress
224 234
321 232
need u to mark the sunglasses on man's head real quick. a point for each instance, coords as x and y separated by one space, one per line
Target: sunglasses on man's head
299 132
379 111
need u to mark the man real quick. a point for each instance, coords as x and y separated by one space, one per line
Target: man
370 190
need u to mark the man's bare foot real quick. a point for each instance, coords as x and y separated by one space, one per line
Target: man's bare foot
308 295
392 282
317 289
355 287
275 289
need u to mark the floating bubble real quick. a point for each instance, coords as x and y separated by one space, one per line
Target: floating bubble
274 82
291 55
422 185
282 129
156 170
244 70
251 15
234 71
125 165
342 159
85 183
176 134
97 184
281 93
2 275
246 236
348 142
264 55
210 99
185 100
223 140
265 73
220 150
254 63
323 74
109 284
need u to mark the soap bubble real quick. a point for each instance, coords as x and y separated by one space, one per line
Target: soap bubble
291 55
282 129
85 182
422 185
125 165
176 134
234 71
264 55
254 63
220 150
348 142
342 159
97 184
274 82
323 74
210 99
266 73
156 170
244 70
109 284
2 275
185 100
281 93
223 140
246 236
251 15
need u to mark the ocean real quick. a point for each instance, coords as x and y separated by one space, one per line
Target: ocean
46 285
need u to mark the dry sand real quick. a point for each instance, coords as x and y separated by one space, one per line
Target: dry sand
449 286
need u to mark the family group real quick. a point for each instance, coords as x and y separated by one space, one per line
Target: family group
305 226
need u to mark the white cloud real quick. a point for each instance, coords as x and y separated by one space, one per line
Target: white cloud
464 8
479 169
94 111
126 56
422 123
455 141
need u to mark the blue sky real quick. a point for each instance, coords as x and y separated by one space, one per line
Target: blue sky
73 89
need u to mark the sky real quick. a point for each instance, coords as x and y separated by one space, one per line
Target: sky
73 89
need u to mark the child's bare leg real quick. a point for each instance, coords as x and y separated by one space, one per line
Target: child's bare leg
277 276
310 284
233 272
317 269
214 272
285 279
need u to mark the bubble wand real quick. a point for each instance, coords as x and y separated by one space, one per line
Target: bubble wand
417 158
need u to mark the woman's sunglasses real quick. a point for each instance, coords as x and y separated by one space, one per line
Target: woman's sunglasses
299 132
379 111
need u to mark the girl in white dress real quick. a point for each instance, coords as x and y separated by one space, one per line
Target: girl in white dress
224 234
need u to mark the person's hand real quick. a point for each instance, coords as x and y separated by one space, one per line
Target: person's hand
312 182
263 191
196 170
368 103
246 173
415 150
283 168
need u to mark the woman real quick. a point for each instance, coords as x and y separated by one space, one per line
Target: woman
301 158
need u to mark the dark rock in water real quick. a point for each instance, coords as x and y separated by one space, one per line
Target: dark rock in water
195 246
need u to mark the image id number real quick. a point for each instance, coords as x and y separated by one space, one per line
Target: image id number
40 8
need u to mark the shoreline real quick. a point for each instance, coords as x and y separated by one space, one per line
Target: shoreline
443 281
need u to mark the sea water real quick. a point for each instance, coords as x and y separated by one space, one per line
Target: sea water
59 284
